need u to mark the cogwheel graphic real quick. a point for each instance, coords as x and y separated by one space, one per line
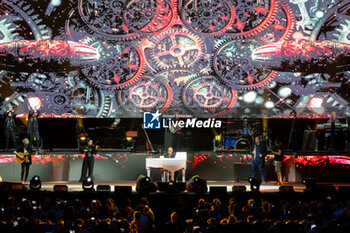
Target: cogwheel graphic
206 96
252 17
74 29
208 17
148 94
177 48
233 64
282 26
86 100
106 18
150 16
333 26
7 30
343 34
23 16
119 66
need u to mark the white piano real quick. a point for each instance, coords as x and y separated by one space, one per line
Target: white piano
170 164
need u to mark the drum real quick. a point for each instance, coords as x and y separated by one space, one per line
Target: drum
230 142
245 131
243 144
233 142
227 142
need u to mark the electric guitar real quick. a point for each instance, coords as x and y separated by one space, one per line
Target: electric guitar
22 157
174 129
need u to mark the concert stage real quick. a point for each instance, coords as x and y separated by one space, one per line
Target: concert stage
119 166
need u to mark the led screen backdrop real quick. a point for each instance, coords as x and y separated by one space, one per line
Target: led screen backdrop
108 58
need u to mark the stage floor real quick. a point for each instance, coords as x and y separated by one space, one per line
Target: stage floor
269 187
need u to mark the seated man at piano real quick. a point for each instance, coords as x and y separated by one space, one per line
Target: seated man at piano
170 163
170 153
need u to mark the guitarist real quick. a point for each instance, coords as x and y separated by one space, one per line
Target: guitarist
26 149
89 160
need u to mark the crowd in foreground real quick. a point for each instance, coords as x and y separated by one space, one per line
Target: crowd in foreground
51 214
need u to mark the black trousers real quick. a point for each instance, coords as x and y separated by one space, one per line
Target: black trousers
25 171
88 164
31 134
10 135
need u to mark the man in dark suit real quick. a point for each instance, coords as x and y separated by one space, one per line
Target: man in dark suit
258 153
33 129
9 128
25 148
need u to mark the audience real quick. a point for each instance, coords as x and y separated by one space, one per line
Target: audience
215 215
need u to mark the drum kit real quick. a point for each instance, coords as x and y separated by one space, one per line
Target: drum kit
238 142
242 139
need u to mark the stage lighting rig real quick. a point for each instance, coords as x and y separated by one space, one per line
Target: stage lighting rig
254 184
88 184
35 183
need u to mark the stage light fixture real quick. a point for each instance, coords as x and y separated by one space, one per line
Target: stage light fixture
218 137
35 183
88 184
254 184
128 139
144 185
197 185
83 137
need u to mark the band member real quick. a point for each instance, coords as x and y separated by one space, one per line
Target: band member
332 134
9 128
170 153
33 129
247 130
278 150
258 152
24 151
89 160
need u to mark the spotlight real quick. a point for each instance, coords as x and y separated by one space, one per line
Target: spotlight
218 137
35 183
144 185
197 185
254 184
88 184
83 137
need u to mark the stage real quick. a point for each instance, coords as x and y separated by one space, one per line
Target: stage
229 166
